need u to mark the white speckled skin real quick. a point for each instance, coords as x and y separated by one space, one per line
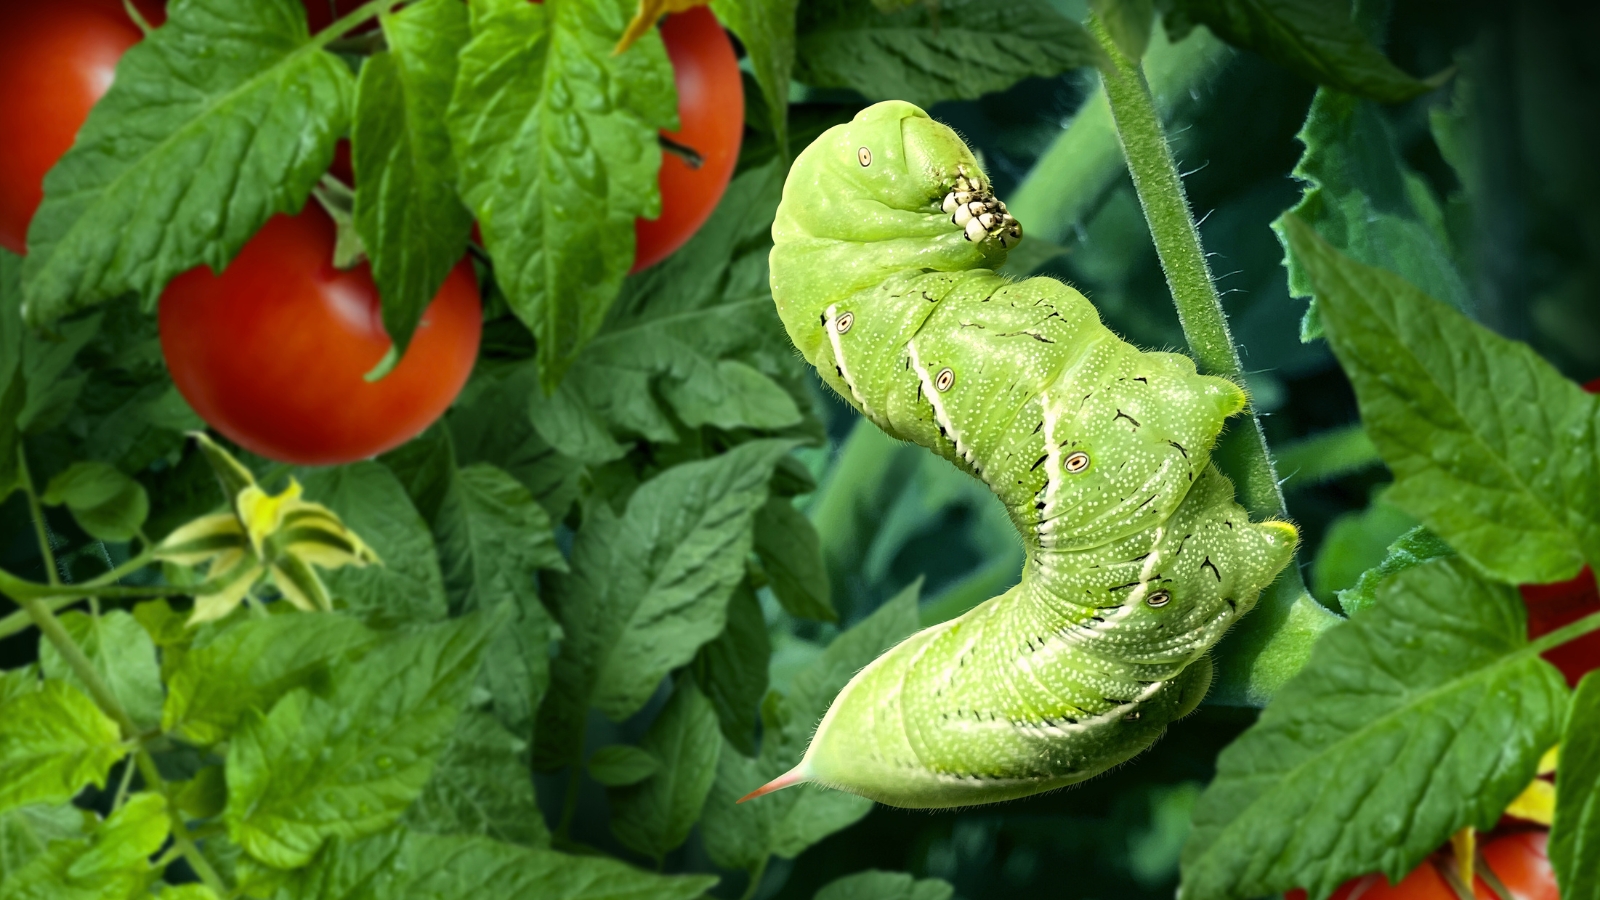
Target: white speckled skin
1137 562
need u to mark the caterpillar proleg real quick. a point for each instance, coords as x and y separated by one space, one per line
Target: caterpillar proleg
1137 557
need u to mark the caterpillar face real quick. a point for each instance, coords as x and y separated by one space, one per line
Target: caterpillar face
1138 558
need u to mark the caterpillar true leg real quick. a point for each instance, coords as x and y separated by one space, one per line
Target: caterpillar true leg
1138 558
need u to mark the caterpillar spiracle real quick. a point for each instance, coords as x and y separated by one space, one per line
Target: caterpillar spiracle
1137 557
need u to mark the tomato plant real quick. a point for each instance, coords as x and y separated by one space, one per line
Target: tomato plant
273 351
56 60
711 124
1517 860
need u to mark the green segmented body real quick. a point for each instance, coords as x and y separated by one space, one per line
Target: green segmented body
1138 558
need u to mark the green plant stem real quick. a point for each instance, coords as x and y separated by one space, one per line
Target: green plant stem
756 875
40 529
1568 632
51 628
1177 240
569 801
181 838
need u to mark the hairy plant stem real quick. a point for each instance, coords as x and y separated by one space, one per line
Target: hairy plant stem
569 800
756 875
1177 240
40 529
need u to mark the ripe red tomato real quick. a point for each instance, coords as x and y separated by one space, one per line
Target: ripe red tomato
711 120
272 352
56 59
322 13
1424 883
1522 863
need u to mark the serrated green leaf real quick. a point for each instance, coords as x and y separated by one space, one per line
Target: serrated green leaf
25 834
647 589
184 892
699 331
1364 199
1421 716
250 666
412 223
350 764
54 742
619 765
875 885
1325 456
482 431
16 682
425 466
481 785
408 587
1491 447
1355 542
1128 22
655 815
967 49
121 652
1575 834
1415 547
111 863
791 553
217 120
398 865
738 837
732 670
556 141
1316 39
107 504
766 29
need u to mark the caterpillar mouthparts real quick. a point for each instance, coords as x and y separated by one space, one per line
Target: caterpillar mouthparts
1138 557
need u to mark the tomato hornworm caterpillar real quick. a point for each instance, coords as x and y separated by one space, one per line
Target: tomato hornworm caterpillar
1138 558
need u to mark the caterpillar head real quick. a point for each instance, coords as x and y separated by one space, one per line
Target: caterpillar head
890 190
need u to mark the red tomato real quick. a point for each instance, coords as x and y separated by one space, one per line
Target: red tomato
322 13
56 59
1424 883
711 120
272 352
1522 863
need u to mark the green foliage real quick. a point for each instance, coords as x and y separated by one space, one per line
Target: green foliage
620 765
531 94
106 503
53 741
766 29
654 815
1355 543
1415 547
1575 834
110 861
122 654
1128 22
233 74
1512 485
876 885
480 786
966 49
1421 716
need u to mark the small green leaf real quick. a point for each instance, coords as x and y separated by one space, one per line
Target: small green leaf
408 587
222 117
111 863
1421 716
406 209
732 670
766 29
1575 833
1128 22
1491 447
556 141
349 765
481 785
1415 547
482 431
53 742
121 652
966 49
1325 456
619 765
107 504
250 666
1315 39
401 865
655 815
875 885
791 552
26 833
16 682
647 589
1354 543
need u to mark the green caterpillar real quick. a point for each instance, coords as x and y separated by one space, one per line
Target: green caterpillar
1138 558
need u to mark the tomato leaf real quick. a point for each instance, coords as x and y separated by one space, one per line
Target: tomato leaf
1491 447
26 833
619 765
1575 833
791 552
1415 547
1420 716
401 865
406 209
489 424
349 765
481 785
220 118
123 654
649 588
1128 22
1363 199
107 504
1355 543
1314 39
968 49
766 29
741 836
53 742
556 142
875 885
656 815
732 670
110 863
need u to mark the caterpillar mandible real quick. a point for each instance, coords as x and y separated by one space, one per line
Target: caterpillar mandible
1137 557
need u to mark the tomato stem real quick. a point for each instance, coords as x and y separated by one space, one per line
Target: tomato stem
1569 632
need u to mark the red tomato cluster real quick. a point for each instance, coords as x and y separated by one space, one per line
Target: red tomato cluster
273 352
1518 860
